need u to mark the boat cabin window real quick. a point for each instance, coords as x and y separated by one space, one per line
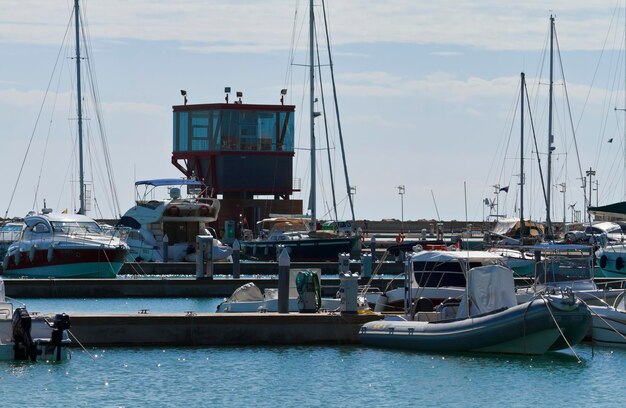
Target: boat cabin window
74 227
40 228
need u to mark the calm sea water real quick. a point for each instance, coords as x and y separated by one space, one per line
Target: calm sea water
304 376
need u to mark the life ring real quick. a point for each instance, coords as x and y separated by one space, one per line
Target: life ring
603 260
362 238
399 239
619 263
203 211
173 211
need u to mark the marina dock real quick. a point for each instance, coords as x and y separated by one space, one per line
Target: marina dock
213 329
149 287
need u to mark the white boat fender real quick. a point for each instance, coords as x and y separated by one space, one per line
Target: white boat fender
50 253
32 253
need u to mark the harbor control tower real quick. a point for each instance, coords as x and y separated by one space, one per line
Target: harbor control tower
242 152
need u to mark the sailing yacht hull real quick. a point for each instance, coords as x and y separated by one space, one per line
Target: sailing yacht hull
302 250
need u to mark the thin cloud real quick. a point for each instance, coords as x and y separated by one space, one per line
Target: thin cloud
258 26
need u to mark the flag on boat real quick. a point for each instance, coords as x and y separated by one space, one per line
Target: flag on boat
64 211
505 189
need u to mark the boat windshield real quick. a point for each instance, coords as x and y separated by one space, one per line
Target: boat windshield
564 269
11 227
74 227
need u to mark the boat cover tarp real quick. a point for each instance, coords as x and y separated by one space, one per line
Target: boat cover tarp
617 210
511 227
246 293
489 288
169 182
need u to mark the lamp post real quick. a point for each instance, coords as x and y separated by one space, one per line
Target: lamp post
590 173
401 192
352 193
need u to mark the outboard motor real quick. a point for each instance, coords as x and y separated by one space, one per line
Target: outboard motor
24 348
60 323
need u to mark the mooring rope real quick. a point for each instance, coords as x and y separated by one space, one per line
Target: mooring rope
558 327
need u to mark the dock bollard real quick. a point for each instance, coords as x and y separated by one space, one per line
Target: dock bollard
166 246
348 290
344 263
204 256
366 266
284 263
236 259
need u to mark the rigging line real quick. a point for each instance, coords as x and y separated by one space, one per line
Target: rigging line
292 46
603 128
45 150
332 76
532 126
508 142
19 175
493 164
330 163
435 202
569 109
114 198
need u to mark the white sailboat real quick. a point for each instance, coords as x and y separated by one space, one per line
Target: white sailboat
62 245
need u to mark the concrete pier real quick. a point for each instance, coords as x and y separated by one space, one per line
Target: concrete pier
211 329
149 287
246 268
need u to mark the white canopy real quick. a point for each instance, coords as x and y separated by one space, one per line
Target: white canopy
488 288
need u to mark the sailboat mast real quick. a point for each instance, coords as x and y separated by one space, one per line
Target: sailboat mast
550 135
80 112
521 165
313 198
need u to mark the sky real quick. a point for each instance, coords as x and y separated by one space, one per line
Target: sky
427 91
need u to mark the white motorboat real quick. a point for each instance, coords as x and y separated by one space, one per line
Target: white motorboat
156 225
304 294
609 323
9 233
488 319
567 266
436 275
26 337
64 246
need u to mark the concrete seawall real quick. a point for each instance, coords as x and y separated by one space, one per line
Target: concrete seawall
211 329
